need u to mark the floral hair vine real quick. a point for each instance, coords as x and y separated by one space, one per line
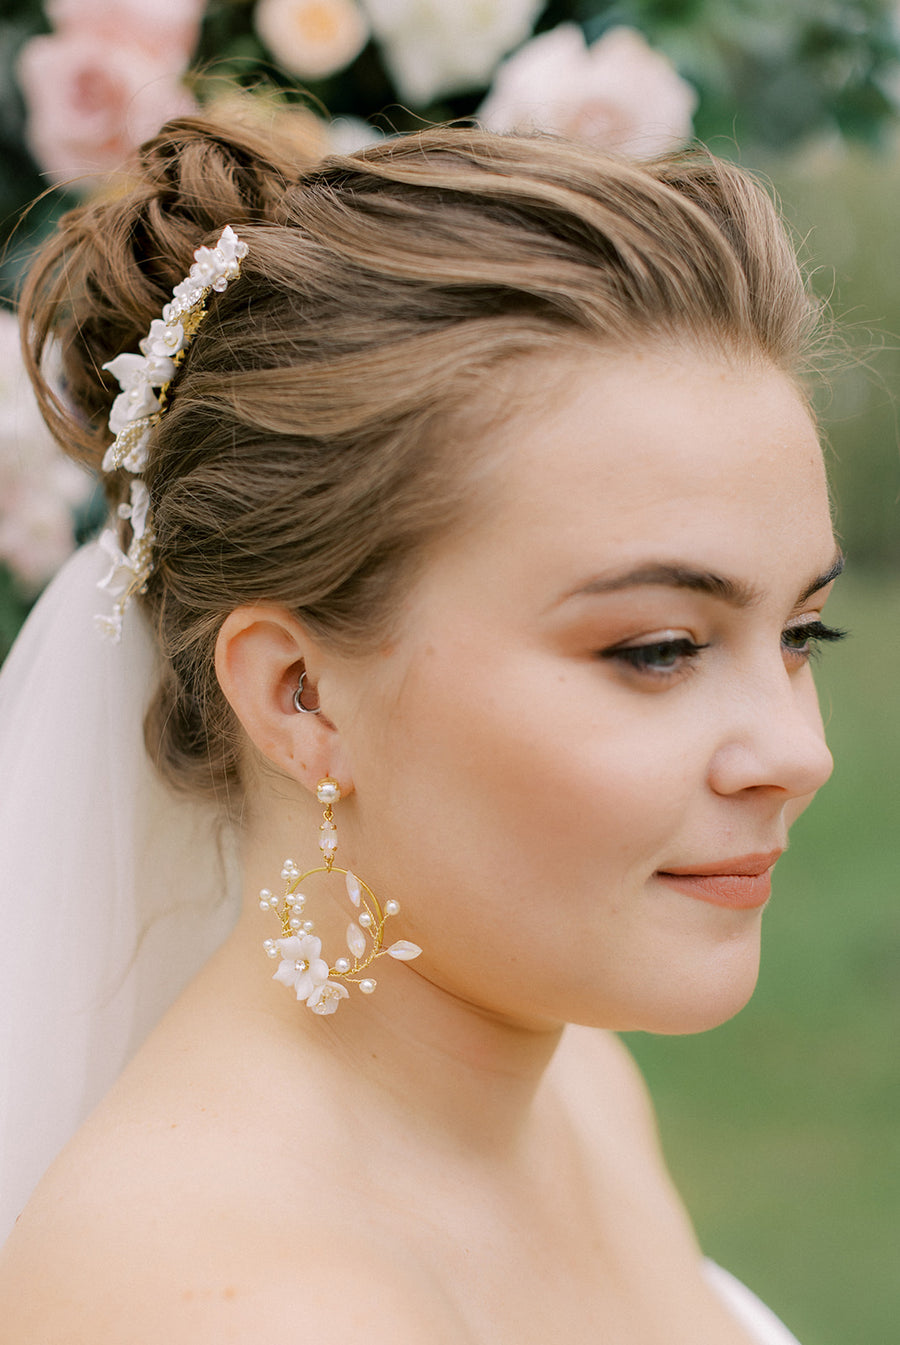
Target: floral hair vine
144 379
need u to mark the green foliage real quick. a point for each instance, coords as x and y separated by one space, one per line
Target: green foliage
14 607
20 180
773 73
843 203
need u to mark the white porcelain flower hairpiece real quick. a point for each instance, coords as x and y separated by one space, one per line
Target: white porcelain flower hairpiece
144 379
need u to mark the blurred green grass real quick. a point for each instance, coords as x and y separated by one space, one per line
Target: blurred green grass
842 205
782 1128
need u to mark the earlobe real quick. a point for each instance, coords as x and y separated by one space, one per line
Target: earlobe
261 654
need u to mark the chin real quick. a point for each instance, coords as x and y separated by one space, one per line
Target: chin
685 1019
677 1000
707 982
699 1006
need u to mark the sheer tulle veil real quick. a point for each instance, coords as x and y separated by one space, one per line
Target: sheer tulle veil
115 890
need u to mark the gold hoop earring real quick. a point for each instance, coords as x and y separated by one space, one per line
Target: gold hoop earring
301 967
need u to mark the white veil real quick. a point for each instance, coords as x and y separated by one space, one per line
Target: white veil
115 891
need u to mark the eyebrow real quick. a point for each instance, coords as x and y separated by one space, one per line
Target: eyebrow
667 574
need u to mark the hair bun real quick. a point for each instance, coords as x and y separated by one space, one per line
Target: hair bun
112 264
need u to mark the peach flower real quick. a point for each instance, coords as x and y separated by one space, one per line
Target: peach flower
617 94
312 38
433 47
290 128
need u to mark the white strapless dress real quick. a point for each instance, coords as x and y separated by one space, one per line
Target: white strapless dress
758 1321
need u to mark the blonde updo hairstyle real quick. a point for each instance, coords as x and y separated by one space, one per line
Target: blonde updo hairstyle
307 455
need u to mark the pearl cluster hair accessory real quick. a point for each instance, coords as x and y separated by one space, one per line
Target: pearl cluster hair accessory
302 967
144 379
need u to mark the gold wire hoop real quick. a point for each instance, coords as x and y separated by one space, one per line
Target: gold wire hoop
302 966
373 927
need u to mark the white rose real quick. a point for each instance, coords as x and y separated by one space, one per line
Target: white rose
348 134
617 94
312 38
434 47
35 531
38 486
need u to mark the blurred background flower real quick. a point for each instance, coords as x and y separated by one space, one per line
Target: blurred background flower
431 48
104 80
86 80
799 88
618 93
781 1127
311 38
40 490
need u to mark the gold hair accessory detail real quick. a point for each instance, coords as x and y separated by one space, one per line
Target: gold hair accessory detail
302 967
144 379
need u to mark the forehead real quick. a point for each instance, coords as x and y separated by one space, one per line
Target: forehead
652 426
653 429
600 460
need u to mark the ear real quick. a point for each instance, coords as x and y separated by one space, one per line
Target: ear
260 654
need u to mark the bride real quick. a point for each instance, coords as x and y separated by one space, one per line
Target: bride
470 543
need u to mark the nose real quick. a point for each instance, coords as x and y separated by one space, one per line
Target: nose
773 739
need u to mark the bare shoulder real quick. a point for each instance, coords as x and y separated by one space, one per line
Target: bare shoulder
296 1302
86 1274
177 1215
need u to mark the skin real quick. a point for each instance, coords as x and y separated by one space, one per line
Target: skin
440 1161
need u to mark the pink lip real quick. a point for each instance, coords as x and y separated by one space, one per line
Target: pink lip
740 884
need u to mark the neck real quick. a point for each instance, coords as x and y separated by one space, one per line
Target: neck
424 1057
441 1062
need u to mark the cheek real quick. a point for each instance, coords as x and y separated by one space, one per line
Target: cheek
520 830
524 785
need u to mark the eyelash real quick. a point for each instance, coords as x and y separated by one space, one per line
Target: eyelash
797 641
811 634
639 656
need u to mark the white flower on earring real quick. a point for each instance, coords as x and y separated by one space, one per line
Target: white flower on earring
325 998
302 968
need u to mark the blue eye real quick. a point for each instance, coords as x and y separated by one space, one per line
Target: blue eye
661 658
800 641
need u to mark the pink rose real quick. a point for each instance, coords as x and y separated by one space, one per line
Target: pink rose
170 28
617 94
90 102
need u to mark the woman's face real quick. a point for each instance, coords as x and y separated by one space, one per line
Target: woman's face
583 752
